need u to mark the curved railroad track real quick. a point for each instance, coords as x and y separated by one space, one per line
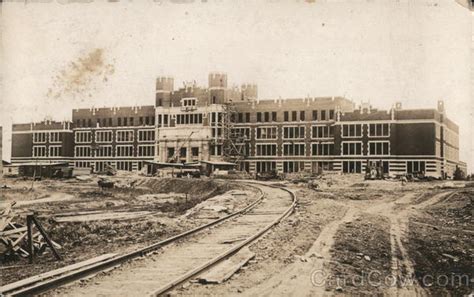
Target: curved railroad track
165 265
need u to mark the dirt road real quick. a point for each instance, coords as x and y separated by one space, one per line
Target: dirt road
363 228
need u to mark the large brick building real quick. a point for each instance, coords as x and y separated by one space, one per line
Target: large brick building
219 122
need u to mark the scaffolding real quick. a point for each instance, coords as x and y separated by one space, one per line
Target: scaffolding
232 141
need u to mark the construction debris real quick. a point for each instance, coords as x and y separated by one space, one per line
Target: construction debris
24 240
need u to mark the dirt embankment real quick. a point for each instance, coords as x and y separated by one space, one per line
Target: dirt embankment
79 224
441 245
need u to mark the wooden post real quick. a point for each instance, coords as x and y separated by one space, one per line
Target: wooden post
46 238
29 225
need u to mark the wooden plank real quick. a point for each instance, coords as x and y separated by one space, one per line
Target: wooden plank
224 270
46 238
4 223
40 277
13 231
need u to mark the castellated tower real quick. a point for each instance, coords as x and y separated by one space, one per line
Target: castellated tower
249 92
217 88
164 87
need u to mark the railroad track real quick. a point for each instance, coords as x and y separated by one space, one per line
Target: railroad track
165 265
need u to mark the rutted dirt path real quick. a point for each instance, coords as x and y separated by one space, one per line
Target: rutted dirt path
306 277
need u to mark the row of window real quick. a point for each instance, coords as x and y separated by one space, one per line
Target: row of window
121 121
272 116
189 119
321 131
294 132
120 151
40 151
374 130
379 148
41 137
120 136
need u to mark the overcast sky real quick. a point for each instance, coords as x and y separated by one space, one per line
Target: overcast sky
412 51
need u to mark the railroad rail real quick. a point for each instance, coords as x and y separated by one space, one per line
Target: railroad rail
231 221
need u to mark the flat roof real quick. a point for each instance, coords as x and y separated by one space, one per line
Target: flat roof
219 163
36 164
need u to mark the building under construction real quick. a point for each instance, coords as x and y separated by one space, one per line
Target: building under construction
221 123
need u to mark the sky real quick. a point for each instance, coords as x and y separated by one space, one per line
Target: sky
58 56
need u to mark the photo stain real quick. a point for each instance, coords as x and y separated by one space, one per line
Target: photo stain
82 77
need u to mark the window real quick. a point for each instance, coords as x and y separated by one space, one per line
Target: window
131 121
39 151
331 114
247 117
293 132
55 137
83 136
124 165
274 116
104 122
39 137
119 121
110 122
322 131
381 130
294 115
293 166
293 149
315 115
190 118
124 150
267 133
259 116
140 121
55 151
323 115
103 136
263 166
322 149
351 148
381 148
302 115
241 133
216 150
266 116
354 130
265 149
352 166
240 117
286 116
82 151
146 150
83 122
195 152
415 166
81 164
146 135
104 151
124 136
125 122
189 102
89 123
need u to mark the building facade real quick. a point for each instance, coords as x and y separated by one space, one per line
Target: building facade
218 122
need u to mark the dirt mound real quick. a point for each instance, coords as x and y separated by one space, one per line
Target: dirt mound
357 252
195 187
441 244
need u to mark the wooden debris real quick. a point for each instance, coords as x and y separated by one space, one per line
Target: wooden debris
23 240
224 270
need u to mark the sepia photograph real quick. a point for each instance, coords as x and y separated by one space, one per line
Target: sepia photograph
236 148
